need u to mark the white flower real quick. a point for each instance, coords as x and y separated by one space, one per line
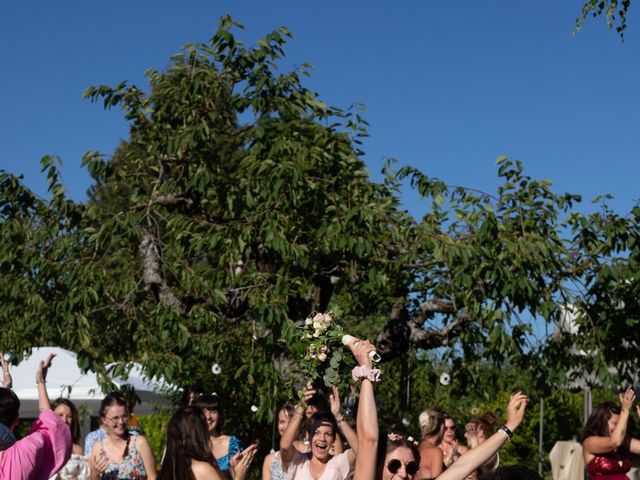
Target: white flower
322 357
405 421
254 409
216 369
445 379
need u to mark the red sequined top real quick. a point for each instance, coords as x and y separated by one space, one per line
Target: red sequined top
608 467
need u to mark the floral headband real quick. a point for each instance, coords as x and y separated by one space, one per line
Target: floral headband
397 437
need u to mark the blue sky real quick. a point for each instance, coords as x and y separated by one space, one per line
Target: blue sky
449 86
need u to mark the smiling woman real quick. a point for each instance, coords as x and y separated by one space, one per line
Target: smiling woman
224 447
120 456
322 430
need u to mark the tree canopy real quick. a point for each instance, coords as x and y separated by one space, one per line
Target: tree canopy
240 203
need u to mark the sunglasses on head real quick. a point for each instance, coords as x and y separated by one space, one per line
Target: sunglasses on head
394 465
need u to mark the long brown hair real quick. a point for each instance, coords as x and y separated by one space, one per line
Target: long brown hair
387 443
187 439
598 425
75 422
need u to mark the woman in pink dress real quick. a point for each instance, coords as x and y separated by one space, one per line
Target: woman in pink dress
47 447
605 443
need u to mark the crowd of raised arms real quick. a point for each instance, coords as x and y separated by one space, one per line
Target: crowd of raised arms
317 442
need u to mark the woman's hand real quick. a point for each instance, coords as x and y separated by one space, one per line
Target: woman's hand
626 399
361 350
306 396
7 381
98 464
241 461
515 410
43 368
334 402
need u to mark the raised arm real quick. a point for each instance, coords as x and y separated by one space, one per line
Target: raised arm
346 429
475 457
7 381
367 420
41 382
287 449
595 445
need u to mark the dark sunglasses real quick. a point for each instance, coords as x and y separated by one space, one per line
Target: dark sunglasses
394 465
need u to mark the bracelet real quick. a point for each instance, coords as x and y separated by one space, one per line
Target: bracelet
340 420
371 374
40 382
507 431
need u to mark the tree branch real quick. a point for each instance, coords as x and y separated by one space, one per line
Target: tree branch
404 330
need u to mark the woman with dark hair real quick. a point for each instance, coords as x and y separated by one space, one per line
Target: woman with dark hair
450 446
223 447
605 443
77 468
46 448
322 429
191 394
431 457
188 454
120 455
188 448
399 456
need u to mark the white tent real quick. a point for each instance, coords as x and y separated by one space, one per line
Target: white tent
64 379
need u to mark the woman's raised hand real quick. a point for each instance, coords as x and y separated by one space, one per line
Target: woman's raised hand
43 367
7 381
361 350
515 410
626 399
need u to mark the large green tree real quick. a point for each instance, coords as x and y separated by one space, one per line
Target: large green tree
240 203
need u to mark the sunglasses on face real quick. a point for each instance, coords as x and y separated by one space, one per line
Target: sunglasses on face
452 428
394 465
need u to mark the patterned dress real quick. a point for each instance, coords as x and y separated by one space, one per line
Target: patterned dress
131 468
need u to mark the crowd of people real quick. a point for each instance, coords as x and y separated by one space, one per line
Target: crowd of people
317 442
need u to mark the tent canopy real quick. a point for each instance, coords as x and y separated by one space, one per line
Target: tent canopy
65 379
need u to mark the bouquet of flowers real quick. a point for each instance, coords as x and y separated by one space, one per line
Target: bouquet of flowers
323 355
324 340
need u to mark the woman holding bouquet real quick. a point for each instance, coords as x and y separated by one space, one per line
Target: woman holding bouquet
394 457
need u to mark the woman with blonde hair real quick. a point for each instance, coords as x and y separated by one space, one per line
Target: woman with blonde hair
431 457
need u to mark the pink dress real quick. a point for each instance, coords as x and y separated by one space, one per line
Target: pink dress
39 455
